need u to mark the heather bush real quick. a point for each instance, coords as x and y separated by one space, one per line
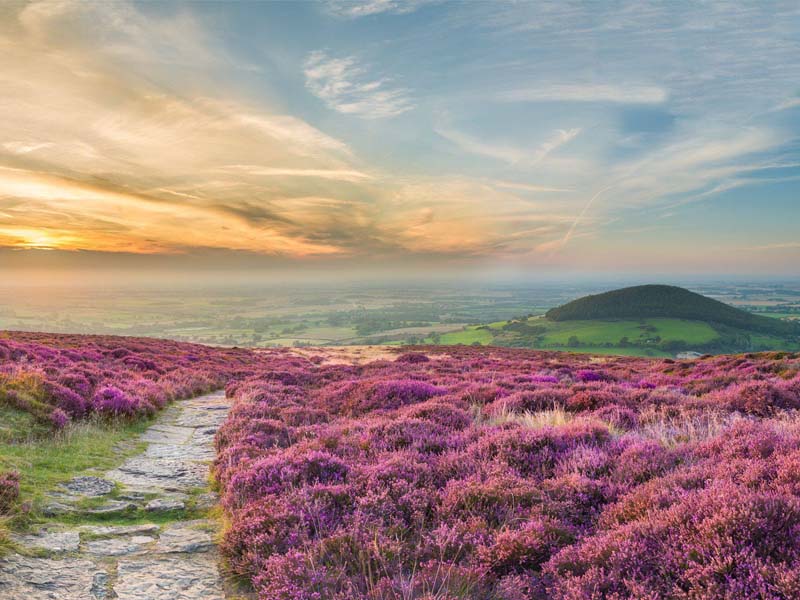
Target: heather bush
721 542
524 546
111 376
110 401
501 474
58 419
412 358
68 401
9 491
393 394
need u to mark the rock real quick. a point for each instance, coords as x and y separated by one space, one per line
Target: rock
91 487
137 561
155 474
206 501
99 587
112 508
165 505
118 546
186 536
184 578
102 531
23 578
133 496
54 509
50 541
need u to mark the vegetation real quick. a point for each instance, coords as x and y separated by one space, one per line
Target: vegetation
45 460
610 332
513 475
71 404
647 301
254 317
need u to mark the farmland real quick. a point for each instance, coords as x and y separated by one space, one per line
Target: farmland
261 317
590 334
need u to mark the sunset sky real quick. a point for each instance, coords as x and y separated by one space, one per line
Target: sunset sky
428 135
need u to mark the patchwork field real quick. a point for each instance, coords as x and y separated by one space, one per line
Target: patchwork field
586 335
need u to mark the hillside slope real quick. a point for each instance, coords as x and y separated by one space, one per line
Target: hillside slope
645 301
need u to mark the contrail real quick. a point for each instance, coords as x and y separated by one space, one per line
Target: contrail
571 230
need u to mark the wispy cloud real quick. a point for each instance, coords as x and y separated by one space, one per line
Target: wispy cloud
334 174
354 9
117 161
787 104
527 187
508 153
777 246
572 92
347 87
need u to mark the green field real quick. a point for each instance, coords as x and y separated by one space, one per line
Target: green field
589 333
469 335
600 332
632 351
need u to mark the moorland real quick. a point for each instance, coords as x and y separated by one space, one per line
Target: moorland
441 472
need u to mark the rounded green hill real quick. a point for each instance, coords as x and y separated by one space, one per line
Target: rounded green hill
644 301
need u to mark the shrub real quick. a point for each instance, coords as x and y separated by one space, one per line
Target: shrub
467 478
9 491
110 401
58 419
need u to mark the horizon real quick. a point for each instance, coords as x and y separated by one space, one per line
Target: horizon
436 141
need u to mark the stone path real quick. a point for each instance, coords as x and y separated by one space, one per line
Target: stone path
173 558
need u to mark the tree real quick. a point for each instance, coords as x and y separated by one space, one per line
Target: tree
573 341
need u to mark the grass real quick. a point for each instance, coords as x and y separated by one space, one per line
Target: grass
469 335
629 351
769 342
600 332
591 335
16 426
44 461
669 431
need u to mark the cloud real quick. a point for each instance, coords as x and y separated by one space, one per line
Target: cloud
787 104
123 132
527 187
98 153
40 212
569 92
351 175
506 153
347 87
354 9
464 217
778 246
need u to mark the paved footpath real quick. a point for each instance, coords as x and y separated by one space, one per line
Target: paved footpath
174 557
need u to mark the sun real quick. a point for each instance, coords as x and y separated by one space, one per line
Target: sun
35 239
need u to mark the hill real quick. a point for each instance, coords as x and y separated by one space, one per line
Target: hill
648 320
666 301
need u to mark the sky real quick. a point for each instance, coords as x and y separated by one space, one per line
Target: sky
418 137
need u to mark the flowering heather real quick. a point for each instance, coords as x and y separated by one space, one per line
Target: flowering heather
9 491
500 474
64 378
58 419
